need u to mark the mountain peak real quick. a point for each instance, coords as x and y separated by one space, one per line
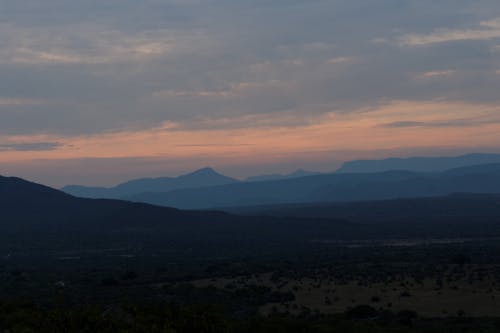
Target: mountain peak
205 171
199 178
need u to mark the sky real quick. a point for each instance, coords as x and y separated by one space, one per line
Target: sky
97 92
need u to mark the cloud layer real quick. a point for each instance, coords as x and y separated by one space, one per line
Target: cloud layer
76 72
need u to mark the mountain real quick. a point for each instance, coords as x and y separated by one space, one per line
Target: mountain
35 218
418 164
200 178
342 187
41 206
296 174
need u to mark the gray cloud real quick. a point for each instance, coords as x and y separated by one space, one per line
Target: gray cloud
36 146
448 123
94 66
214 145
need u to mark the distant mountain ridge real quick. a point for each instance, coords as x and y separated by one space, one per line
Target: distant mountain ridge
296 174
335 187
418 164
199 178
206 189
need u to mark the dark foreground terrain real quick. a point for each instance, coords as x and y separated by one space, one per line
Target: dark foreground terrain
413 265
351 287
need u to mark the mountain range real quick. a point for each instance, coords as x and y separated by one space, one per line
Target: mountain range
339 187
207 189
204 177
200 178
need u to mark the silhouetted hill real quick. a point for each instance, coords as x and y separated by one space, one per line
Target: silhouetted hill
418 164
200 178
30 204
296 174
22 198
37 218
334 187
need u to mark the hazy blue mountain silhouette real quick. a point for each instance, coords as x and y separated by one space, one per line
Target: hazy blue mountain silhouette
200 178
334 187
296 174
418 164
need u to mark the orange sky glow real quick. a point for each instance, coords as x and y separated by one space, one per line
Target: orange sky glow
395 126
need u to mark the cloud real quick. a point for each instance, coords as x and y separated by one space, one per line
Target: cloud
339 60
86 44
204 145
449 123
434 74
441 115
30 147
20 101
487 30
84 68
